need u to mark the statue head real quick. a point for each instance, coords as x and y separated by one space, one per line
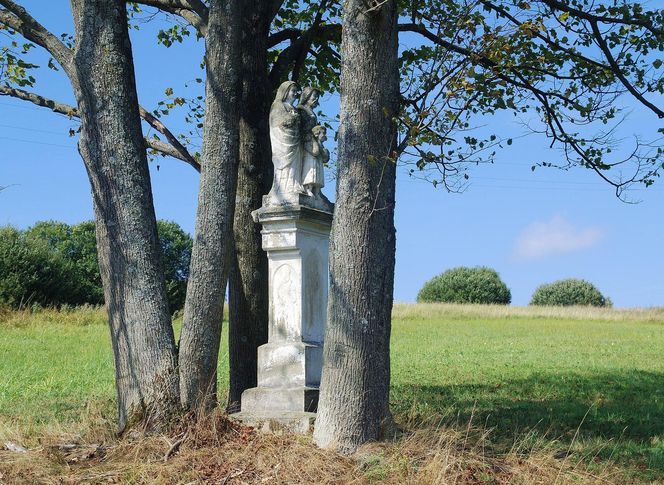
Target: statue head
309 97
320 132
287 92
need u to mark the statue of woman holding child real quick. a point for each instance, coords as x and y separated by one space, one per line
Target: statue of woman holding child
298 153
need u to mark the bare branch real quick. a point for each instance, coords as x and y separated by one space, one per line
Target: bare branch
175 149
33 98
283 35
193 11
169 150
172 139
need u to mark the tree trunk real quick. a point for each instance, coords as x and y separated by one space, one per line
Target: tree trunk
112 147
354 398
210 259
248 285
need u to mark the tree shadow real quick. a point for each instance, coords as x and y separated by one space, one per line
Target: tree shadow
621 412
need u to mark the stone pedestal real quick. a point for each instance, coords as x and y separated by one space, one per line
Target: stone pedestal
296 238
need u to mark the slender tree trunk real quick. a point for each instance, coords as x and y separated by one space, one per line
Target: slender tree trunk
248 285
112 147
354 399
210 259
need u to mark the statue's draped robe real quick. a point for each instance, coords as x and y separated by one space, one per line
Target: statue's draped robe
286 148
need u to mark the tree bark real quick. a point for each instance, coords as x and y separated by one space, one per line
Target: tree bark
248 282
112 147
354 396
210 260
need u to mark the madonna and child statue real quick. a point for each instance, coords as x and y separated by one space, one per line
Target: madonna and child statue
296 219
298 152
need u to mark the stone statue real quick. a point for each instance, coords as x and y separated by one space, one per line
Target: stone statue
310 143
286 139
315 158
298 154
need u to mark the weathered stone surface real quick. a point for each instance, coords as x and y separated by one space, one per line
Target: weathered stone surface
268 399
278 422
290 364
296 238
296 219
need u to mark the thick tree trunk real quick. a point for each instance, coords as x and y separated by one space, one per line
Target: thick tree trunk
354 399
112 147
248 297
210 259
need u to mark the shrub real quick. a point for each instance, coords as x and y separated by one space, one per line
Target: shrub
31 273
569 292
76 245
466 285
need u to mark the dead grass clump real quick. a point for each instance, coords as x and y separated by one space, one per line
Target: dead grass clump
419 311
218 450
76 316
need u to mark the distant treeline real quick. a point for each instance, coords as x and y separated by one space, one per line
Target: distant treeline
55 264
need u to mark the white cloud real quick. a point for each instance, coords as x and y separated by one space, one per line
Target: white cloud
556 236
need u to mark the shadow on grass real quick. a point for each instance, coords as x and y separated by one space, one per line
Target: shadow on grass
621 414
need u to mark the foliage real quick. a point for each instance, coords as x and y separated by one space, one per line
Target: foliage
175 257
466 285
561 69
32 274
76 243
75 246
569 292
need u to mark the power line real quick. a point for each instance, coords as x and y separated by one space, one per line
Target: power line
32 129
35 142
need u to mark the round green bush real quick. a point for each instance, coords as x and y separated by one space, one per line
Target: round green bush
466 285
569 292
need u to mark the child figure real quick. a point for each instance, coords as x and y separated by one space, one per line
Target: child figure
315 157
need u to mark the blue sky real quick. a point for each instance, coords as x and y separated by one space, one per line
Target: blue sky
532 227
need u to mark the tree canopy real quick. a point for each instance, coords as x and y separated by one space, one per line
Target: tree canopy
564 70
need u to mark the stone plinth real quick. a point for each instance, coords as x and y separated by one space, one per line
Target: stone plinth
296 237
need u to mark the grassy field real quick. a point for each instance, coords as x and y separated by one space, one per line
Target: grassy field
579 385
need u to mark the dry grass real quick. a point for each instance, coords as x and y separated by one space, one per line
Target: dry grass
76 316
419 311
221 451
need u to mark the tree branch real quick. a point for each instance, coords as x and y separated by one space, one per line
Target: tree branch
175 149
615 68
557 46
17 18
552 120
641 22
300 43
193 11
283 35
172 139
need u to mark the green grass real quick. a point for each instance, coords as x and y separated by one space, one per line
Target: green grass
589 381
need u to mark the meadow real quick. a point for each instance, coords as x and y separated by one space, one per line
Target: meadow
571 393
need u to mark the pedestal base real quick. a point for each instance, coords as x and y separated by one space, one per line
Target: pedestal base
268 399
277 422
